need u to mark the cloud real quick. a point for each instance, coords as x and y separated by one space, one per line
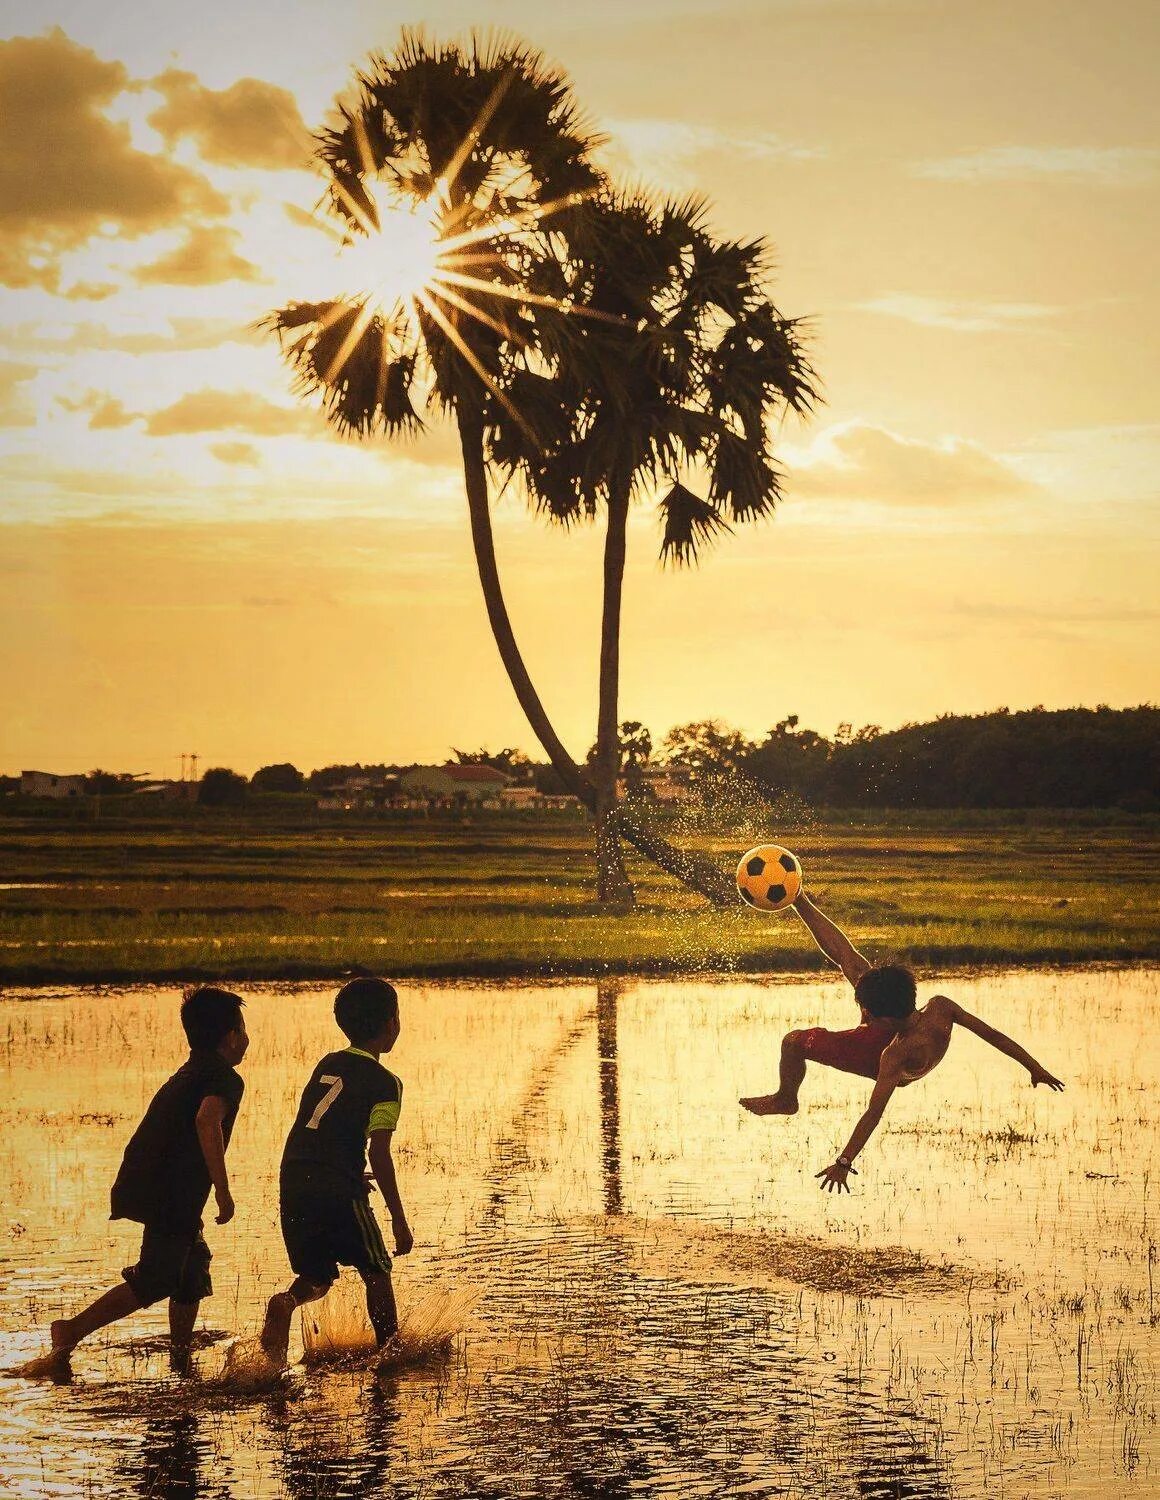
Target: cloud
859 462
249 124
15 408
960 316
233 411
1104 166
204 258
235 453
106 413
672 150
166 336
91 291
67 171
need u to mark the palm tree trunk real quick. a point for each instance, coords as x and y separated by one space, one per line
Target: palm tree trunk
693 870
483 542
612 884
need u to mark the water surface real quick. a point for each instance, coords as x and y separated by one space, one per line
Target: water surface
664 1302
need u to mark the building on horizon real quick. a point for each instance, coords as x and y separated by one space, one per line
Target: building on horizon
48 784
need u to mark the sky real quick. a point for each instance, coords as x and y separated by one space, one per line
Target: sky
964 201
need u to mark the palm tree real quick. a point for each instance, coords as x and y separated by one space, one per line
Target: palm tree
683 372
487 140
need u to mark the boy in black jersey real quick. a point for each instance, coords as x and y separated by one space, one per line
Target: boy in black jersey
175 1155
349 1107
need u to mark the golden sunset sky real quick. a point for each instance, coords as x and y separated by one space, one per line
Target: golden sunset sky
964 198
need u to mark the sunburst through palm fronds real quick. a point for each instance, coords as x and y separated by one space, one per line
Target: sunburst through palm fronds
434 239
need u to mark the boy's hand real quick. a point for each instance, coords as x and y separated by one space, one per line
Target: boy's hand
1039 1074
404 1239
834 1176
225 1205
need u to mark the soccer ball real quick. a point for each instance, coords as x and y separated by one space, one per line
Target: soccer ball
769 877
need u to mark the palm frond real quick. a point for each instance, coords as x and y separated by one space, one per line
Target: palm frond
743 478
690 524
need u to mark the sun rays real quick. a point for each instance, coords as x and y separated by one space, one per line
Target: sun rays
412 248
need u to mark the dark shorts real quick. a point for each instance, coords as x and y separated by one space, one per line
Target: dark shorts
858 1050
325 1230
170 1265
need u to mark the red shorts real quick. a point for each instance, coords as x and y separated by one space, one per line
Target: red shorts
858 1050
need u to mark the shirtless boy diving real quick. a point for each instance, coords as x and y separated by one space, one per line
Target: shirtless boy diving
894 1044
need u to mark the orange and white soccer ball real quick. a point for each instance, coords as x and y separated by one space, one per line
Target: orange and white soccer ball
769 877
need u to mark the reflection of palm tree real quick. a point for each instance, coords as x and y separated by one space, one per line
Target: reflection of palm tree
607 995
684 368
488 141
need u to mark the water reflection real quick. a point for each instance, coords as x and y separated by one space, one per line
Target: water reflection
343 1442
176 1460
618 1347
607 997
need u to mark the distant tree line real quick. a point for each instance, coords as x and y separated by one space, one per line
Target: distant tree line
1077 757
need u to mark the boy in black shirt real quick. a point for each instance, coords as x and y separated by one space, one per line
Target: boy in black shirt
350 1105
175 1155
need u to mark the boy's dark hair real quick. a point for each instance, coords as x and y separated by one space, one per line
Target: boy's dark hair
887 990
208 1014
363 1007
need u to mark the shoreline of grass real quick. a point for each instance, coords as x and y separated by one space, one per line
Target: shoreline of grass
926 962
95 906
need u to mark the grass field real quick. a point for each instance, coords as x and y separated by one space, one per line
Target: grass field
236 896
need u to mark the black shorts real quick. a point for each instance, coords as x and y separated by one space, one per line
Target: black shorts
324 1230
170 1265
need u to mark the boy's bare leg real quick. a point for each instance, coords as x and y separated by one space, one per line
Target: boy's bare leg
182 1317
118 1302
792 1071
384 1315
275 1335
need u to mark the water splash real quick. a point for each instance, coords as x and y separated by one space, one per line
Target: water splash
246 1367
336 1330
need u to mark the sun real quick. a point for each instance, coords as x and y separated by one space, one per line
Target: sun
394 262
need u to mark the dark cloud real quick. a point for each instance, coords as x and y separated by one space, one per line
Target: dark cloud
67 171
250 124
205 257
232 411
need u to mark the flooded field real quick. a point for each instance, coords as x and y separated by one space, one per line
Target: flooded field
651 1295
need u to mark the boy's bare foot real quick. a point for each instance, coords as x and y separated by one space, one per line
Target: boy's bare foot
275 1338
769 1104
60 1333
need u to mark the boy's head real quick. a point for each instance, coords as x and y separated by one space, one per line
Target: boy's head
212 1020
367 1012
887 991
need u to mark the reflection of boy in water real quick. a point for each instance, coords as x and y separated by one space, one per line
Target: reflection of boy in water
176 1154
894 1044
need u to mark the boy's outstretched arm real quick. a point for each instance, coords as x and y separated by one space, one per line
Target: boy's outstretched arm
835 1175
383 1168
210 1114
1004 1044
832 940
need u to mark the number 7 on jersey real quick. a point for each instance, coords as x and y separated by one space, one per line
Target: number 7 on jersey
327 1099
